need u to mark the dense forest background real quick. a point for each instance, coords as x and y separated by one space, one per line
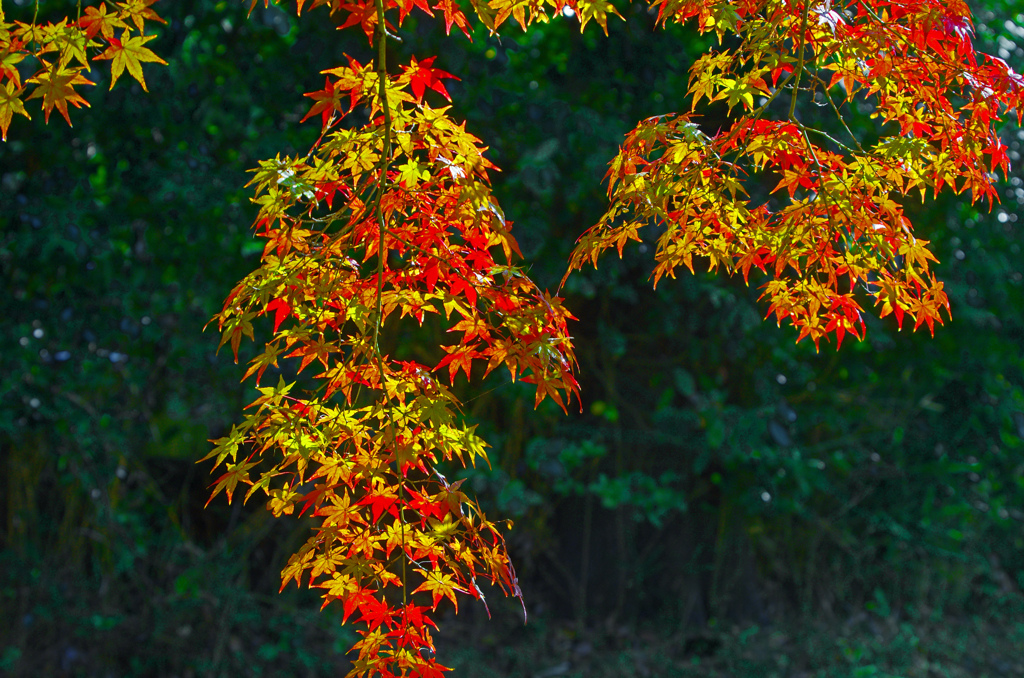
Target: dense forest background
727 503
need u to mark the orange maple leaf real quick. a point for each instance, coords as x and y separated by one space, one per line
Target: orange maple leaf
57 89
10 57
96 20
139 11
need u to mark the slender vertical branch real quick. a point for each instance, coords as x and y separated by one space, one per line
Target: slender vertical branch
800 64
382 79
382 76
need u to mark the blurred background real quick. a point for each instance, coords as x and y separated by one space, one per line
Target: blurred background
728 503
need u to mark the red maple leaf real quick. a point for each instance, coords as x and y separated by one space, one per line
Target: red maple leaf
424 75
281 311
375 612
327 100
452 15
380 503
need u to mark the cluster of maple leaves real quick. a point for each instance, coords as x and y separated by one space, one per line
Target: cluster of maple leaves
59 53
393 221
393 218
831 227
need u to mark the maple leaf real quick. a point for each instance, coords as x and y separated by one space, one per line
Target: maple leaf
428 507
238 472
999 158
129 52
440 585
414 613
739 91
228 445
70 42
362 14
233 327
96 20
314 350
57 89
412 173
546 387
139 11
406 6
423 75
917 253
264 360
340 512
281 311
315 498
598 10
299 5
327 101
397 534
454 15
9 60
376 612
460 357
380 502
299 563
10 103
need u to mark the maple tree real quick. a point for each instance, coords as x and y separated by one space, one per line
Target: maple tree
392 220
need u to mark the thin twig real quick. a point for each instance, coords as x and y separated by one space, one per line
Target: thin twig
839 115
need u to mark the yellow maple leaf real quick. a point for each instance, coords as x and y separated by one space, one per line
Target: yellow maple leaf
71 42
57 89
440 585
597 10
10 103
412 173
130 53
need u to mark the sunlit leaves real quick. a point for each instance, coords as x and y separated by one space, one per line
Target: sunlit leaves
10 103
831 237
439 585
52 48
97 20
139 12
358 449
56 87
327 101
596 10
388 223
423 75
130 53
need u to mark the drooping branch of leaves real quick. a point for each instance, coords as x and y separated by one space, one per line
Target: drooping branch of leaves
418 236
360 453
831 232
